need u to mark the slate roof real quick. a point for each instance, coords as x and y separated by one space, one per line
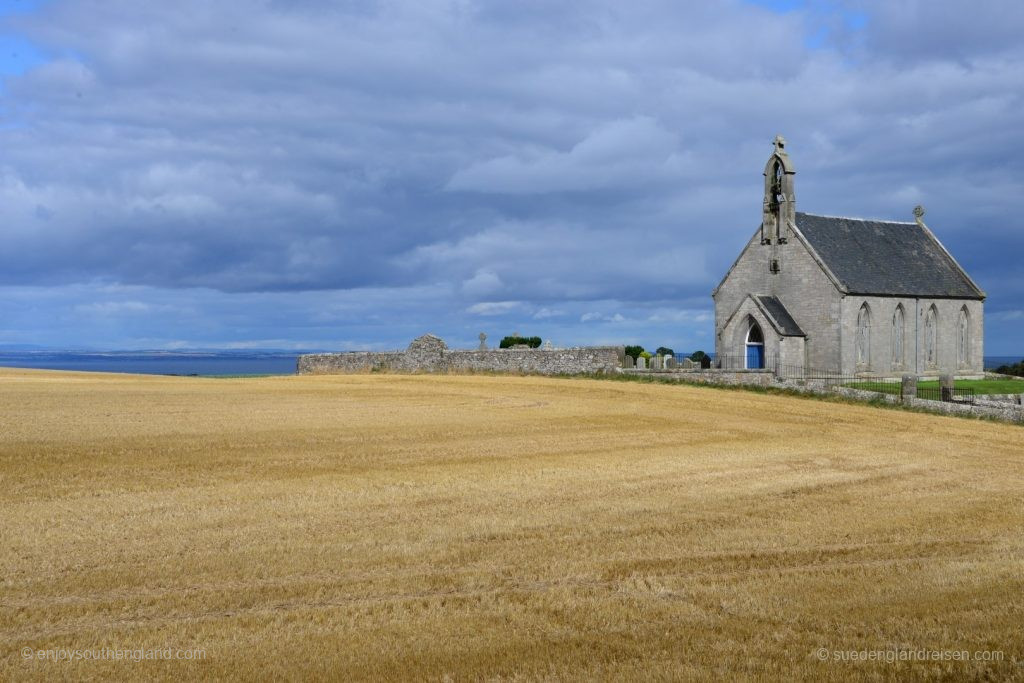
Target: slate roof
786 326
886 258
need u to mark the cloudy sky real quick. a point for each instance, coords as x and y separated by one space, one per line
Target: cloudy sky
349 174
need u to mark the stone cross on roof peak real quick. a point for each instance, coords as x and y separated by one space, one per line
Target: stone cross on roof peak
780 143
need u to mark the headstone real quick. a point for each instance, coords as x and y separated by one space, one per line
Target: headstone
946 383
548 346
641 363
628 362
670 363
483 341
655 362
688 364
908 387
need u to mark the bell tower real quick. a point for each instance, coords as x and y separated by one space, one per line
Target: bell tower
779 209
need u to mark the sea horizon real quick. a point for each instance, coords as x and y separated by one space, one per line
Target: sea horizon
208 362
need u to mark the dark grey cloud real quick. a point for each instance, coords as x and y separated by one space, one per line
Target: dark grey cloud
582 169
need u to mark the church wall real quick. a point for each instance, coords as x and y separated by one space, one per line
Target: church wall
748 276
792 353
802 287
813 301
914 340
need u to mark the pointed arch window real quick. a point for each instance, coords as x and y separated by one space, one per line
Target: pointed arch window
898 327
963 338
864 336
931 338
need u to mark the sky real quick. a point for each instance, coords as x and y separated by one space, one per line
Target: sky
350 174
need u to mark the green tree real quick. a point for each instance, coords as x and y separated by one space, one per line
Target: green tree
634 351
1015 369
510 341
664 351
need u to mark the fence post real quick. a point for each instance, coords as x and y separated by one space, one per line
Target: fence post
908 389
946 382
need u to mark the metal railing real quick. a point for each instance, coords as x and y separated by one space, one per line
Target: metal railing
949 395
742 362
834 379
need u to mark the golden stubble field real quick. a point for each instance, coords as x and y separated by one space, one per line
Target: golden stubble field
481 527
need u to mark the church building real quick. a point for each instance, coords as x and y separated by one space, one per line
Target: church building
845 295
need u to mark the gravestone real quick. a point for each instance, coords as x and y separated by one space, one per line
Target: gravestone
641 363
688 364
655 362
628 362
670 363
483 342
548 346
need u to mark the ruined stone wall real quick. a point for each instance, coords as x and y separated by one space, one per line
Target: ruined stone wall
430 354
345 363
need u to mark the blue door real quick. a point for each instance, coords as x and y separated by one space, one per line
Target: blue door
755 355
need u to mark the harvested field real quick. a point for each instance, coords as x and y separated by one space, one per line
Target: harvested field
420 527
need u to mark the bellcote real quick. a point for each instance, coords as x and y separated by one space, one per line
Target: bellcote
779 197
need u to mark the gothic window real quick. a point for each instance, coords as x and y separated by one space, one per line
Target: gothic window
864 336
931 338
898 325
754 334
963 341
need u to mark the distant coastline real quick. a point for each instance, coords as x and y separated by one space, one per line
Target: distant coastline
197 363
204 363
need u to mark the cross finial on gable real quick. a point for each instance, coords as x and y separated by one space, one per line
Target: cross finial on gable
919 215
780 143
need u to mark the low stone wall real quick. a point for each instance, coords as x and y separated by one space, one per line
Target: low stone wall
1006 408
431 354
345 363
999 400
754 378
1007 412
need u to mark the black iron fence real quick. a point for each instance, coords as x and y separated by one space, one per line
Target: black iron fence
745 362
947 394
834 378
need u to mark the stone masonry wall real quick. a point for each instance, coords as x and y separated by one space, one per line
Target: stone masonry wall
801 286
430 354
1005 409
882 310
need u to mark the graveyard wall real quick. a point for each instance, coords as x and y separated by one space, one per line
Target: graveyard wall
434 357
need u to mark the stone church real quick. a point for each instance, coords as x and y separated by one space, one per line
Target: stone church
845 295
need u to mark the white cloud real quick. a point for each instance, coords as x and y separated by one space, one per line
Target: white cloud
111 308
494 307
618 155
545 313
594 316
365 171
482 283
